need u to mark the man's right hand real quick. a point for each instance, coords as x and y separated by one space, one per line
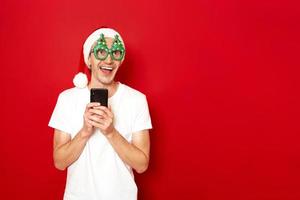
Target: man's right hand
88 129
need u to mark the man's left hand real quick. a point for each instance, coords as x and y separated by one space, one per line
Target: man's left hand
103 119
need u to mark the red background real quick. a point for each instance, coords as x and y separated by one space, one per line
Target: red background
221 79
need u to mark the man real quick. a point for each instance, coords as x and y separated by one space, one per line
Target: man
101 145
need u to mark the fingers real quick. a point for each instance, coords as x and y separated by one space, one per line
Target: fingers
99 125
87 119
98 111
99 116
96 106
93 104
90 122
88 114
100 122
106 110
92 109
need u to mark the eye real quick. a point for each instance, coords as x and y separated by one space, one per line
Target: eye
101 53
117 54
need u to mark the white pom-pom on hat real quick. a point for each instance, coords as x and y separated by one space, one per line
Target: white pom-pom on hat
80 80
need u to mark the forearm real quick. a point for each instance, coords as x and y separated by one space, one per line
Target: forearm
69 152
128 152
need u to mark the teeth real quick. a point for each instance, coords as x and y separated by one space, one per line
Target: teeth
106 68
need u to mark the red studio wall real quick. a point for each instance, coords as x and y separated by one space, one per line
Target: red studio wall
221 78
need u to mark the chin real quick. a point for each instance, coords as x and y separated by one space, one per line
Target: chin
106 81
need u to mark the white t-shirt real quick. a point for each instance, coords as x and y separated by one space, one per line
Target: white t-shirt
99 173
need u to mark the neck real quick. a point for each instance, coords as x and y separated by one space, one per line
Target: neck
112 87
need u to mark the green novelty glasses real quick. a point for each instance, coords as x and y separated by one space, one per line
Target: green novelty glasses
116 52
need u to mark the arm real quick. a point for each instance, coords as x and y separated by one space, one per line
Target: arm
67 150
135 154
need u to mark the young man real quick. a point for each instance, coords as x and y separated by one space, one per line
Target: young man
101 145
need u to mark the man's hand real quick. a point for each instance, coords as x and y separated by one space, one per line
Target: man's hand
88 127
102 118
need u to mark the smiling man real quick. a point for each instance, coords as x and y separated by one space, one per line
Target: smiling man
100 146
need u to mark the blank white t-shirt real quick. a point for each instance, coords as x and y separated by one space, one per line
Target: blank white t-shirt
99 173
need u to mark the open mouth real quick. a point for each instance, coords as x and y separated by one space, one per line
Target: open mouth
106 69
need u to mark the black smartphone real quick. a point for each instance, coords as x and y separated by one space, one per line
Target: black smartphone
99 95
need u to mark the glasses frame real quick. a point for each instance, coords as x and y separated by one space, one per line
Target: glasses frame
117 45
109 52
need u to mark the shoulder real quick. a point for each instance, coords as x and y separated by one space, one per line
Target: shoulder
134 99
132 93
70 94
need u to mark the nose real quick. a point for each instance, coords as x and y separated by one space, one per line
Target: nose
108 59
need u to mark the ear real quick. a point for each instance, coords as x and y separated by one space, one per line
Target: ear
89 62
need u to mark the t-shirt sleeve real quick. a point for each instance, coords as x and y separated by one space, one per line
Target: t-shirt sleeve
61 115
142 120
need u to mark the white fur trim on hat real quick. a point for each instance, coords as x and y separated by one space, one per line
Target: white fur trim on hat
107 32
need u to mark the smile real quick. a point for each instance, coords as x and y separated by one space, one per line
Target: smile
106 68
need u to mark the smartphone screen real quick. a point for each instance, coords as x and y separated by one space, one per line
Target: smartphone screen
99 95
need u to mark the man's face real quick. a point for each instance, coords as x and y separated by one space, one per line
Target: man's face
104 71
